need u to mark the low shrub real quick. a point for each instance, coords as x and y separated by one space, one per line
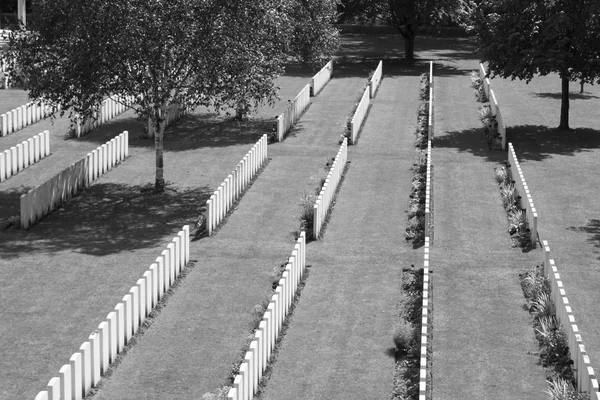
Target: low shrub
307 213
407 335
551 337
424 87
477 85
518 226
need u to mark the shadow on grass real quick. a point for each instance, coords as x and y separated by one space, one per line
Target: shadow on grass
531 142
10 203
108 218
193 131
592 229
558 96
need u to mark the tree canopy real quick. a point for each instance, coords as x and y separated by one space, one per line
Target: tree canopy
522 39
217 53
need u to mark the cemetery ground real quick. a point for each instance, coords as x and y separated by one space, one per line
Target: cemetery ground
82 259
561 172
11 99
64 275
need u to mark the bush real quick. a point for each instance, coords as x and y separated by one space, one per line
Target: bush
404 336
307 213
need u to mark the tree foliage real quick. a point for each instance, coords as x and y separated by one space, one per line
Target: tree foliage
523 39
217 53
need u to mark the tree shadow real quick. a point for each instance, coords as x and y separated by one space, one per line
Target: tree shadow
531 142
558 96
592 229
192 131
108 218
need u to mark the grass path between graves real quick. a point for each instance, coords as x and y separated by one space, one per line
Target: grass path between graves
339 344
481 334
11 99
561 169
190 347
63 276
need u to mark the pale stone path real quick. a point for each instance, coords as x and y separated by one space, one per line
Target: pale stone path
339 344
62 277
190 348
481 334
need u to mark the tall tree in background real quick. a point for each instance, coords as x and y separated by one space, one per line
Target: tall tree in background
522 39
407 16
217 53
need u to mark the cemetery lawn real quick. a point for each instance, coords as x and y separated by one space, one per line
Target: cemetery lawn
190 348
11 99
64 275
339 342
561 171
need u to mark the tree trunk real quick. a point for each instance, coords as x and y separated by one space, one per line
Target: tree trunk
159 183
409 47
564 106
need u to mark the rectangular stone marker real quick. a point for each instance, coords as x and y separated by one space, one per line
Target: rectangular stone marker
14 160
176 255
238 385
104 332
162 261
65 374
96 356
2 167
155 283
86 364
141 288
245 380
36 148
121 337
53 389
26 162
149 291
3 125
113 341
135 309
76 376
128 303
172 266
42 396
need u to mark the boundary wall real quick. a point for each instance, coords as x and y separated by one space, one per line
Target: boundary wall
230 190
292 114
23 116
21 156
321 78
487 87
257 357
329 187
424 325
526 201
109 108
584 373
87 365
375 80
174 112
44 198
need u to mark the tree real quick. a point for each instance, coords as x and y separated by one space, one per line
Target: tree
218 53
407 16
523 39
